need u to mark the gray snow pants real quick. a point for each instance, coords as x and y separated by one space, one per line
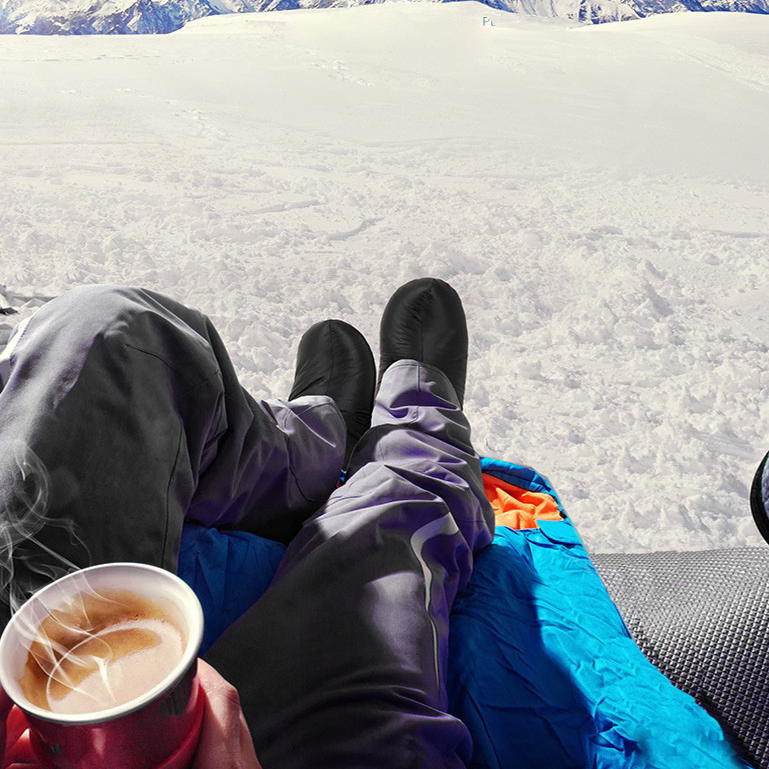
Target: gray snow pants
120 412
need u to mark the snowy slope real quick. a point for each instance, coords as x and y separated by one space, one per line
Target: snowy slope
598 194
49 17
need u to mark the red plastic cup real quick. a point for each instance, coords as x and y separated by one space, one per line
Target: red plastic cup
157 730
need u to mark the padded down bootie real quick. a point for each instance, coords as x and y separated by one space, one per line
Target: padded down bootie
759 498
425 321
335 359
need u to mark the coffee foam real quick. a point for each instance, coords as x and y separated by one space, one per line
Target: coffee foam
100 651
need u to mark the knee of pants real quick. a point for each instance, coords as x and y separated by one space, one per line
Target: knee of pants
90 308
59 330
123 314
103 296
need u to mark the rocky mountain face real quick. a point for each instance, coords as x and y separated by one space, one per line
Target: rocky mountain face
61 17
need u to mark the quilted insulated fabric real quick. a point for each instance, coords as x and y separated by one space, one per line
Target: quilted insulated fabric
702 618
542 668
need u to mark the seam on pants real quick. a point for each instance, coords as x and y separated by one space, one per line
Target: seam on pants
168 495
445 525
192 388
404 423
7 355
173 368
308 409
25 324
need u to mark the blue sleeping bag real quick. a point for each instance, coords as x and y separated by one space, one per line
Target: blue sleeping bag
541 666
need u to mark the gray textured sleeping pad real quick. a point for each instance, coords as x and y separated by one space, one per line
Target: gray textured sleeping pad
703 619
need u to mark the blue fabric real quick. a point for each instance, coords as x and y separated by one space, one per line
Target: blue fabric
545 674
541 666
228 570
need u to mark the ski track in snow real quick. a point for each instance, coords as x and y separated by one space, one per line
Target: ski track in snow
606 223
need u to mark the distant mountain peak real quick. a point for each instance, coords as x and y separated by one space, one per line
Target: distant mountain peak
81 17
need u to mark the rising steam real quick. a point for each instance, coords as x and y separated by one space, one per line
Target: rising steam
23 571
96 650
80 638
22 518
93 631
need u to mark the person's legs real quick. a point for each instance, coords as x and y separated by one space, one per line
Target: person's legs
341 664
120 411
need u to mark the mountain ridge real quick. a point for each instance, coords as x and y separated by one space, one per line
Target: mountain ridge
80 17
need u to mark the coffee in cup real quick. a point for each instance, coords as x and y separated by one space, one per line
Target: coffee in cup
101 650
103 664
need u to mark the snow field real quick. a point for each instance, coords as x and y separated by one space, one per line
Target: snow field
597 195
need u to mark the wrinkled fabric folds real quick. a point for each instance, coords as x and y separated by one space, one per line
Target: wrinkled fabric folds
542 670
546 676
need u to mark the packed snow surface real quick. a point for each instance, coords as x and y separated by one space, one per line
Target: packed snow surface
598 195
